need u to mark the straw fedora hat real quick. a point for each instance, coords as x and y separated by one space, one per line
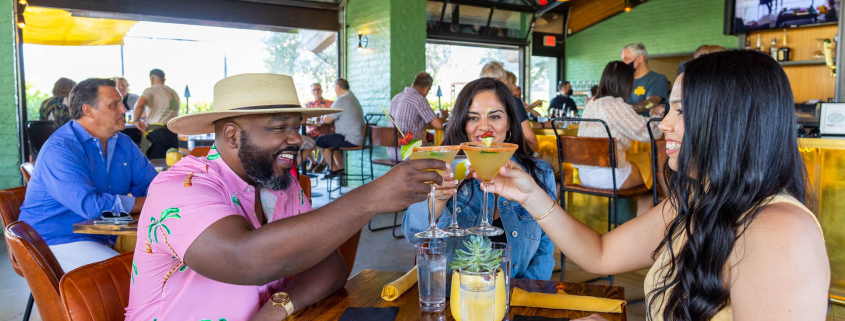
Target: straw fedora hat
246 94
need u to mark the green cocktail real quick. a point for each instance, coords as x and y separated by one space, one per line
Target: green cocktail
445 154
486 162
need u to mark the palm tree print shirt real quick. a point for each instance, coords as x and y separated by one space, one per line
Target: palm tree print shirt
182 202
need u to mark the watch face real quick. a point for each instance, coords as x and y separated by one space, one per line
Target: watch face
280 297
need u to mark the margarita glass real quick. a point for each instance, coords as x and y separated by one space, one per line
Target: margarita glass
486 162
461 167
445 154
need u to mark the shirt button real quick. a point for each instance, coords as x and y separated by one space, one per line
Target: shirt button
504 202
459 210
515 265
514 234
124 164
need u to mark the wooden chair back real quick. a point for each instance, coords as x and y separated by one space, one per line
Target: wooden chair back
98 291
200 151
11 201
588 151
384 136
40 269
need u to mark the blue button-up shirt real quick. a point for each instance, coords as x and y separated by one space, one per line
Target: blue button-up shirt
532 252
74 181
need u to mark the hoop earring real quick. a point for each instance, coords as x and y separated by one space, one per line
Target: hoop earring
508 136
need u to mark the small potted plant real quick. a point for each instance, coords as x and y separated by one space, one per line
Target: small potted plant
478 284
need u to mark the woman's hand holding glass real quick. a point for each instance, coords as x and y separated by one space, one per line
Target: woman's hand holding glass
515 184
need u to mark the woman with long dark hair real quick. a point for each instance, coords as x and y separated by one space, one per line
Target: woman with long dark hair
624 123
532 254
733 240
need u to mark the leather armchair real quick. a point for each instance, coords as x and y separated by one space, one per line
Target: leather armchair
40 268
98 291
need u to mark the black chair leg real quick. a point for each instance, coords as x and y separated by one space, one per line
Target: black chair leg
28 311
393 232
392 227
562 265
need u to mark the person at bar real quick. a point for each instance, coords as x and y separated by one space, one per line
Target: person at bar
349 126
86 167
650 88
411 111
734 240
625 126
496 70
231 235
563 101
129 100
532 251
56 108
164 105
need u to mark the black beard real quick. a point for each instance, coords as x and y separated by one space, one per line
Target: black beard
258 165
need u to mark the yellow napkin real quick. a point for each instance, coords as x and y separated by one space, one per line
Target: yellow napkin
565 301
394 289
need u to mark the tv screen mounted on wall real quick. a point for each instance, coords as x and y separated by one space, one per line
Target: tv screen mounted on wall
750 15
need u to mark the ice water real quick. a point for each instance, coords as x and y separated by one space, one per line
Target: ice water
478 302
431 273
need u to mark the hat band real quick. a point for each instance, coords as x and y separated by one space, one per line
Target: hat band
267 107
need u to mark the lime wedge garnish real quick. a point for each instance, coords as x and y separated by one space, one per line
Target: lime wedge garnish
408 149
487 141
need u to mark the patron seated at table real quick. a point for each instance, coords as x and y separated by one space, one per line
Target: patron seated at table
85 168
309 141
533 252
734 240
349 128
650 88
625 125
232 235
411 111
56 108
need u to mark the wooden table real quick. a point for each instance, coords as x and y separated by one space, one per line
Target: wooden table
364 290
88 227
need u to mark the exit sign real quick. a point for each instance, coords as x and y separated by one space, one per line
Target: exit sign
549 41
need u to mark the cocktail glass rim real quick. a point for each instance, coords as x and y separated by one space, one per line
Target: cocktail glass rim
494 147
442 148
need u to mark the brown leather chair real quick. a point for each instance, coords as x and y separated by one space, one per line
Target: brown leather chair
97 291
200 151
385 137
658 158
11 201
40 269
305 184
591 151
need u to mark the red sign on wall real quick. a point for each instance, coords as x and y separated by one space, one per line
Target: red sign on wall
549 41
542 2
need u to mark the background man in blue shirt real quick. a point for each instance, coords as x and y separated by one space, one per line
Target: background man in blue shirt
85 168
564 99
650 88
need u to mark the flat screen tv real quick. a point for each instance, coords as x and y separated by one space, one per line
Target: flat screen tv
750 15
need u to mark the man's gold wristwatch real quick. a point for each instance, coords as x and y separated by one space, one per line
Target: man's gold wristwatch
282 299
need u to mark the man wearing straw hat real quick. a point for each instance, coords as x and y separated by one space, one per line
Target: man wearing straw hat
230 236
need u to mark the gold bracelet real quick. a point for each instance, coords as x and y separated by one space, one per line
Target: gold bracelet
548 212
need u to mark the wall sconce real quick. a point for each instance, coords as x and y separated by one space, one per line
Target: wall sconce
628 6
19 15
21 21
362 41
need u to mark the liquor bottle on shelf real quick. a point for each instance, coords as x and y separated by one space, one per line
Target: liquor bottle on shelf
760 46
773 50
784 53
748 43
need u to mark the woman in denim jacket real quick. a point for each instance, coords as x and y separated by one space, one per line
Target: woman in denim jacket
485 105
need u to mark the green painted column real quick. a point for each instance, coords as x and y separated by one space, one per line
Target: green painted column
663 26
396 31
9 121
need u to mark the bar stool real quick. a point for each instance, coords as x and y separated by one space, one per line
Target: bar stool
385 137
658 158
591 151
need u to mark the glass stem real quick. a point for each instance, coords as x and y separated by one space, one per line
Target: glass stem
484 221
431 218
455 210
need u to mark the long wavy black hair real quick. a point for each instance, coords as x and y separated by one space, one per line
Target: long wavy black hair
739 149
454 134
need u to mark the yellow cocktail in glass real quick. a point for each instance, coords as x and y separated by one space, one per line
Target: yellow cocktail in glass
460 165
445 154
486 162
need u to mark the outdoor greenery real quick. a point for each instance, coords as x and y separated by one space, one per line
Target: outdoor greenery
199 106
288 56
34 97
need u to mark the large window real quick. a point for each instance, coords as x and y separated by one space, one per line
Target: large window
543 79
453 66
190 55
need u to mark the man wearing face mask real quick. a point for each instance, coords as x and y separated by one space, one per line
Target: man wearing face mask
650 88
563 100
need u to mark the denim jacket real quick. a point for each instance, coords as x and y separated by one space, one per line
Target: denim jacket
532 253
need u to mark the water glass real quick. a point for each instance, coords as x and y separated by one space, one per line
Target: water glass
506 268
478 295
431 275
